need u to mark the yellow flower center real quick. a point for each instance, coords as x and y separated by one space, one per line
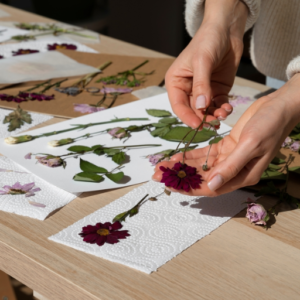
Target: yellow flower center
25 51
181 174
103 231
60 47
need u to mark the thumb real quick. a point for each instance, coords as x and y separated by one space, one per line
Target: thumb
230 167
202 93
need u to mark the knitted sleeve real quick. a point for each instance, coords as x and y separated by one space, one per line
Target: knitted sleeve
194 12
293 67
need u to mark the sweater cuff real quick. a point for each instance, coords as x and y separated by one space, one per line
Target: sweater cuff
194 13
293 67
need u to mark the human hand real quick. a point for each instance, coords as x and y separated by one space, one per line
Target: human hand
241 157
206 68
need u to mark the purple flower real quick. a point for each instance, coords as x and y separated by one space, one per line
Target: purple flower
256 213
103 233
17 189
118 133
109 90
154 159
295 146
181 177
286 142
56 46
87 109
24 51
50 161
28 156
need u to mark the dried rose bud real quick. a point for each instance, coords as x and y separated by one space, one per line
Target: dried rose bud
61 142
18 139
257 214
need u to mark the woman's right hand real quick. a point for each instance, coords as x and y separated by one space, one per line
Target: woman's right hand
204 72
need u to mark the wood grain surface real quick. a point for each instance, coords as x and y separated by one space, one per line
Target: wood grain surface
236 261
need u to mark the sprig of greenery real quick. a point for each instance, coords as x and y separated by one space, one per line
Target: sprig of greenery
17 118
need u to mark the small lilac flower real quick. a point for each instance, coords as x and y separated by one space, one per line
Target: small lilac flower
118 133
70 90
28 156
286 142
237 100
50 161
154 159
109 90
24 51
17 189
256 213
56 46
87 109
295 146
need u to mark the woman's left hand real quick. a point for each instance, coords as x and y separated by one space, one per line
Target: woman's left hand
240 158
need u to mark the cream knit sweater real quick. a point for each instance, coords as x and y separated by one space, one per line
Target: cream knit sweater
275 41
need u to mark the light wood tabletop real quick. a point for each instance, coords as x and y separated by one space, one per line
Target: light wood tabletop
236 261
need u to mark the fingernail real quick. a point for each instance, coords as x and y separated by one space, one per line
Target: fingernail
221 118
200 102
154 179
228 110
216 182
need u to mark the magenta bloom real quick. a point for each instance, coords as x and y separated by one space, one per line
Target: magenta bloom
154 159
109 90
56 46
181 177
295 146
256 213
87 109
103 233
50 161
24 51
17 189
117 133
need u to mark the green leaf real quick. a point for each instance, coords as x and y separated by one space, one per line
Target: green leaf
133 211
97 147
274 167
134 128
295 169
17 118
188 149
158 113
121 217
159 125
89 177
277 161
79 149
91 168
169 120
295 136
272 175
160 131
116 177
98 151
111 152
215 140
118 158
176 134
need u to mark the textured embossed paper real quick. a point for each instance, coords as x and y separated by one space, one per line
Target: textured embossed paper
162 229
50 196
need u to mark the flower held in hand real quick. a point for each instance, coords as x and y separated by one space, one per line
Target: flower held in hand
181 177
103 233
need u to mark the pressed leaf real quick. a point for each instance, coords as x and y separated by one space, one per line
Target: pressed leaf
274 167
215 140
89 177
115 177
118 158
158 113
295 136
95 147
160 131
133 211
98 151
121 217
159 125
277 161
17 118
178 133
86 166
169 120
133 128
79 149
111 152
272 175
188 149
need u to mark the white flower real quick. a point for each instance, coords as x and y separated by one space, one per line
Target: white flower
53 143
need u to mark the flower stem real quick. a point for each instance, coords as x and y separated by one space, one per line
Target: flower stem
140 65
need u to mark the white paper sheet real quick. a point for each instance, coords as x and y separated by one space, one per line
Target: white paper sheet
50 196
138 170
41 45
7 32
36 119
162 229
40 66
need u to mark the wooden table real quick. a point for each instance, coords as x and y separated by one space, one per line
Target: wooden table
237 261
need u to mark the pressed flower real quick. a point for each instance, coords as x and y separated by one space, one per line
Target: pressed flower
18 139
103 233
118 133
87 109
71 90
50 161
24 51
28 156
181 177
286 142
11 98
56 46
57 143
295 146
109 90
17 189
237 100
35 96
256 213
154 159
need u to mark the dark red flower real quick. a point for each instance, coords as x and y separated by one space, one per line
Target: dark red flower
35 96
10 98
1 56
61 46
181 177
24 51
103 233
